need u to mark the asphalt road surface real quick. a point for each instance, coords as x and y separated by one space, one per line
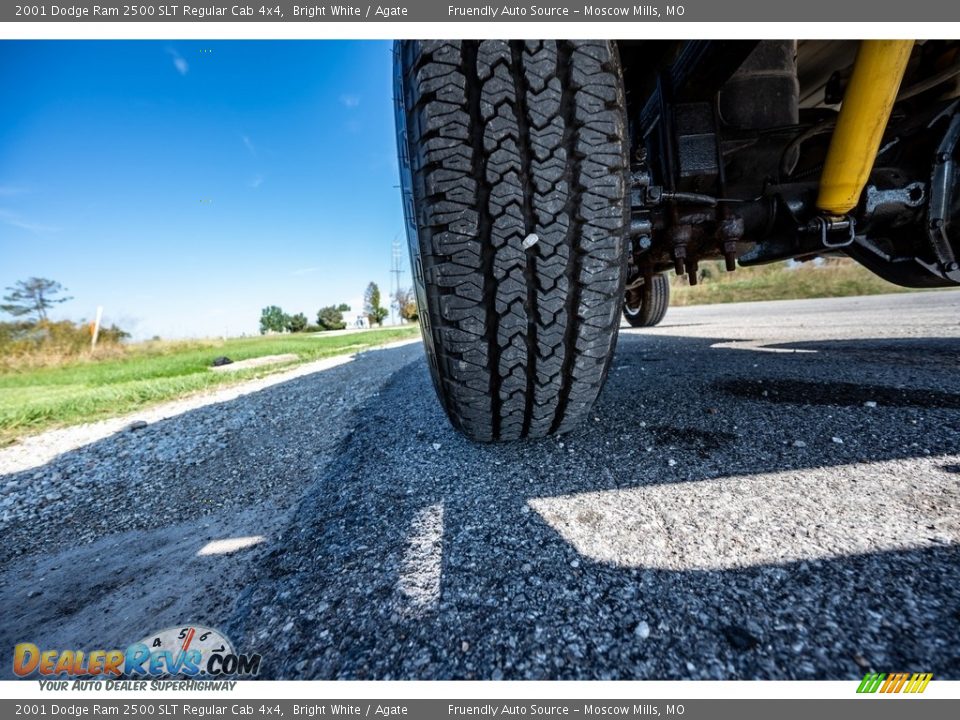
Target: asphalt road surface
766 490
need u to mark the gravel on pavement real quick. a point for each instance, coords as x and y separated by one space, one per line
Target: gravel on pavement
765 490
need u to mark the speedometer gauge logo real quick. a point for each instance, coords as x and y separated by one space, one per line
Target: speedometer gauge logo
195 638
190 650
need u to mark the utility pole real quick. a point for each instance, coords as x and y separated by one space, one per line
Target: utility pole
396 270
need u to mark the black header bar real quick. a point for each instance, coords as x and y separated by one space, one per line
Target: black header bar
567 11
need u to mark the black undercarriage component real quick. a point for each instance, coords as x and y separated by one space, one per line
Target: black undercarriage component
727 150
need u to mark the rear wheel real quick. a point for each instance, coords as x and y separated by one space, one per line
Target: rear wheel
514 172
645 307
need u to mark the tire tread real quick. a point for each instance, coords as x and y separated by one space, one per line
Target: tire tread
501 139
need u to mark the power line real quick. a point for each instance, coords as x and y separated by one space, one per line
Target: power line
396 270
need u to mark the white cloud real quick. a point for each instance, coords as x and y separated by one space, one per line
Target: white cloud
179 62
305 271
256 182
13 220
350 101
248 143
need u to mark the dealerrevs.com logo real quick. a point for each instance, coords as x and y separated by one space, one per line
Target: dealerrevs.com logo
895 683
191 651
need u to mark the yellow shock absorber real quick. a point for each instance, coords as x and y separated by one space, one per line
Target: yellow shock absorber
867 103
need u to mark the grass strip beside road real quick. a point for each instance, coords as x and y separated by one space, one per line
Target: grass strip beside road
88 389
779 281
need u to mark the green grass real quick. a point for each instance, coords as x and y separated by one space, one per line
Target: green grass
777 281
85 389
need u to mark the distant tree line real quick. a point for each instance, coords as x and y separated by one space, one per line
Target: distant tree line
274 320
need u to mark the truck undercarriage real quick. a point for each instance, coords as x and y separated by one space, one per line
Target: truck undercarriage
729 141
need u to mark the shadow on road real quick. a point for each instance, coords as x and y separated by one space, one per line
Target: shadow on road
713 518
685 531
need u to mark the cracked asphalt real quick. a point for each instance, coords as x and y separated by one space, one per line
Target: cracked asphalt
764 490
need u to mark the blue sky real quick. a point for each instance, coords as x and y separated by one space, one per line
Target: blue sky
184 185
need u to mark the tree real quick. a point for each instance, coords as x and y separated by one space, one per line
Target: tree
372 308
296 323
113 334
406 303
331 317
33 297
272 319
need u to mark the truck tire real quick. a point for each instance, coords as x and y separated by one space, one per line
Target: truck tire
653 305
514 170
